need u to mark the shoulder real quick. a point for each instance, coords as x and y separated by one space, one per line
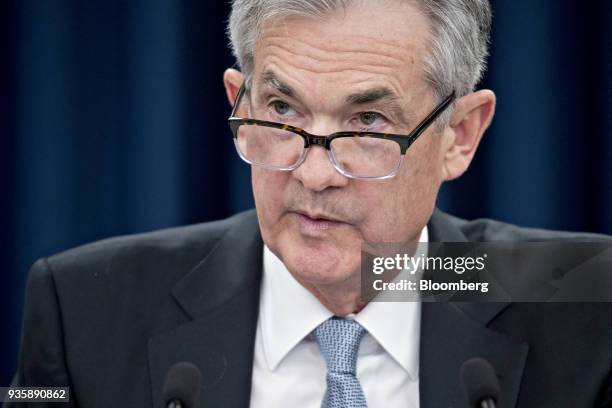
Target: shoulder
485 229
170 253
123 285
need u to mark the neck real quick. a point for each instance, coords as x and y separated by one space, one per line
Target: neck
341 300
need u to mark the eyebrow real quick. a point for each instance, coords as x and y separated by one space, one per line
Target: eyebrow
371 95
381 95
271 80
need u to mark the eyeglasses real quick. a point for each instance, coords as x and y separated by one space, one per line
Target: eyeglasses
357 155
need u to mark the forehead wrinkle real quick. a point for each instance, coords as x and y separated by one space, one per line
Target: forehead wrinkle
310 65
341 32
289 71
310 54
346 44
292 75
368 62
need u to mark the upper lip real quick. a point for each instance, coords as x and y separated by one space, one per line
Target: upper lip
318 216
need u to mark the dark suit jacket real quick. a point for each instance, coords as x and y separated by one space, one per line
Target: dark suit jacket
108 319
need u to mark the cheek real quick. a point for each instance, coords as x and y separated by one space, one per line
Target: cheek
403 205
427 170
421 182
268 188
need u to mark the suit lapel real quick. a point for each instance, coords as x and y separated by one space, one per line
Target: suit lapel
449 336
221 298
452 333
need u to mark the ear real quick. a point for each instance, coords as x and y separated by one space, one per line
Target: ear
472 115
232 80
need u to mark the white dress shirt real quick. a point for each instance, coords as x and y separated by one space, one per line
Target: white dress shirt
288 368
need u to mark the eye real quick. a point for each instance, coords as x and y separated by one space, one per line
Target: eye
280 107
369 118
278 110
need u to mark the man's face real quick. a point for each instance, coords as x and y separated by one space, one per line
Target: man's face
314 218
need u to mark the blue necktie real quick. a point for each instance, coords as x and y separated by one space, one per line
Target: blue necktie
339 341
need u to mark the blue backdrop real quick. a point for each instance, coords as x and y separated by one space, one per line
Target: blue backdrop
113 122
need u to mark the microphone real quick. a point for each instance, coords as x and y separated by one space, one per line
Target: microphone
182 386
480 383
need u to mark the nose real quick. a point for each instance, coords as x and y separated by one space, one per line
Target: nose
317 172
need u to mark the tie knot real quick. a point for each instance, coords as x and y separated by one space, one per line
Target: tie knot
339 341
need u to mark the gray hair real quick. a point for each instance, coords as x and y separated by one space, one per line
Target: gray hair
459 41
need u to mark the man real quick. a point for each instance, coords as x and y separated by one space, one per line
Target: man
268 305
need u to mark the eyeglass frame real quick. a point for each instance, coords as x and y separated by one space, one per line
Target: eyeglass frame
405 141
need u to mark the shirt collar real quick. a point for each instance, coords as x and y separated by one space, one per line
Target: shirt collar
289 313
396 327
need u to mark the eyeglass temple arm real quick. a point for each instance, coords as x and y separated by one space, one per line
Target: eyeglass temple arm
432 116
241 91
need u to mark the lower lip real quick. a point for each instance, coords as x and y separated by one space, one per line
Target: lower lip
311 225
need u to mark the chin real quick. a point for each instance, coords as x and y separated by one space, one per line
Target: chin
326 259
321 265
